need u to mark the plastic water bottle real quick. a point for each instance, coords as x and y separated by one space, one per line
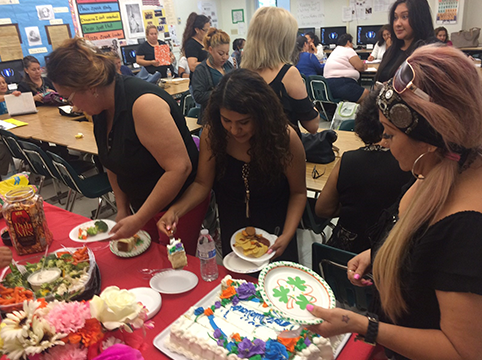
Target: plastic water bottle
169 76
324 58
206 252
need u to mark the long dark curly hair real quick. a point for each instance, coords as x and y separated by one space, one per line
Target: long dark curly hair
246 92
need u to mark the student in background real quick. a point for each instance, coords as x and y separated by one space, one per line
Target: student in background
383 43
4 91
342 71
210 71
183 67
120 68
238 46
442 35
145 55
410 27
306 62
33 81
192 40
269 47
316 47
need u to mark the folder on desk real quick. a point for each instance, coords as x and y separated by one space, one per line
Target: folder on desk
20 105
11 123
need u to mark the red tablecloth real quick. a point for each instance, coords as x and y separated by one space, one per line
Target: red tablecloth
124 273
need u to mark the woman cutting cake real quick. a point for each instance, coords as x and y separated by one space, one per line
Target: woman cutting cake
254 161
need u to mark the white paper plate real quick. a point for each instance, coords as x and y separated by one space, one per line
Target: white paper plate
272 238
136 250
288 287
174 281
74 233
234 263
149 298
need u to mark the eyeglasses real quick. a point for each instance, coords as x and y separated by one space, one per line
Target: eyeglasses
71 98
315 174
403 80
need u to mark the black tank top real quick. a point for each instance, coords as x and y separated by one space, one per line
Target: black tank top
122 152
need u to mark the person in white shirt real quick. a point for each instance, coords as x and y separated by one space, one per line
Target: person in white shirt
383 43
183 68
315 45
342 71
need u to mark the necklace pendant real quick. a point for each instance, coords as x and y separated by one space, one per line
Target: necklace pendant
246 200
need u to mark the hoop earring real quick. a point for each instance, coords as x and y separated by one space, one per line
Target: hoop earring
418 176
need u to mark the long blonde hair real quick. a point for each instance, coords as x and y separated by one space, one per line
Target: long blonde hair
271 39
454 111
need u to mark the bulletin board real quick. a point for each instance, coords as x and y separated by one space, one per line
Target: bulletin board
10 45
100 19
30 18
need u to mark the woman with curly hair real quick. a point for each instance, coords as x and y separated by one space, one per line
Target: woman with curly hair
253 159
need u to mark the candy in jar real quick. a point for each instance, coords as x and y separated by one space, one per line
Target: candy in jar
24 213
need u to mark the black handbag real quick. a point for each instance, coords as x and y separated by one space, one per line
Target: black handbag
319 146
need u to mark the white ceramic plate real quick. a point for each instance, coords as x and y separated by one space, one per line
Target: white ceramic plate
272 238
74 233
149 298
288 287
144 243
234 263
174 281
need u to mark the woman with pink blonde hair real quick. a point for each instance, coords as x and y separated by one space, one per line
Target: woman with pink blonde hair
428 269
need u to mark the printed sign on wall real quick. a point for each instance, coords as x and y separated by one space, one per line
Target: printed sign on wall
100 19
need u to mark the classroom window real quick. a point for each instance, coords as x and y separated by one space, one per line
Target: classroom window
285 4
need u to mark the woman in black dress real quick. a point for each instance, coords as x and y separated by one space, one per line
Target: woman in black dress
254 161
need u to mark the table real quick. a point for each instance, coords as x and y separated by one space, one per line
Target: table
177 86
49 126
124 272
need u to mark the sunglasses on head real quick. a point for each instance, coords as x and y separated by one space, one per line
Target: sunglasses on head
403 80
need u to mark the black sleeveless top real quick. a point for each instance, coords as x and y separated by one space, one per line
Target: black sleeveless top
267 206
369 181
122 152
294 109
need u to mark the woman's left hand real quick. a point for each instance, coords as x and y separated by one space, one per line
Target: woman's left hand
337 321
279 245
126 228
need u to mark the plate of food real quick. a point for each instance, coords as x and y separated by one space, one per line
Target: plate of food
132 246
234 263
252 244
62 275
91 231
149 298
288 287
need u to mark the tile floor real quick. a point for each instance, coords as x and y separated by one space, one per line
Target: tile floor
86 207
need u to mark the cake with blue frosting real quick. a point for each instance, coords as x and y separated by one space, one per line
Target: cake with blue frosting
239 325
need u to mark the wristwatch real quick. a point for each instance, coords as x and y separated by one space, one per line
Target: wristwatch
372 331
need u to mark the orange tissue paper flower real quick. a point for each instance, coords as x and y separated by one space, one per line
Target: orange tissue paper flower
208 312
229 292
289 343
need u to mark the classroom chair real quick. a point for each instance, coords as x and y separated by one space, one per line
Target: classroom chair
194 112
347 125
96 186
11 142
331 264
186 102
322 97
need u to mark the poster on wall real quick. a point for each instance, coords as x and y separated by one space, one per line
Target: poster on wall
8 2
363 9
45 12
33 36
108 45
311 13
100 20
149 18
447 11
209 9
134 19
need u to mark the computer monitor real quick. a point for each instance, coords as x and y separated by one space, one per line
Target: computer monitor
129 54
12 71
367 34
303 31
330 35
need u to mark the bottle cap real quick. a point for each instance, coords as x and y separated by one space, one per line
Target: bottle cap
204 232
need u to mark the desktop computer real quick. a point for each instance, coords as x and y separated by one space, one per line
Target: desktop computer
366 35
12 71
129 54
330 35
303 31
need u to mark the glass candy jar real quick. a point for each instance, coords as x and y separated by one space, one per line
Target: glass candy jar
23 210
